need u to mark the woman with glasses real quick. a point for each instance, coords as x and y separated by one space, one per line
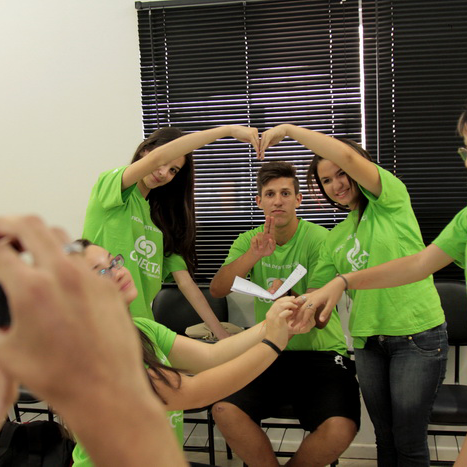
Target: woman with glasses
449 246
399 335
220 369
145 211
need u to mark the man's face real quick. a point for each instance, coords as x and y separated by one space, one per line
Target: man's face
279 200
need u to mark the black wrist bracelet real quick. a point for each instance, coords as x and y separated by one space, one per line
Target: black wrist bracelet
345 282
272 345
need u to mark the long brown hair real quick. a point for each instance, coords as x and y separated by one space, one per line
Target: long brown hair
172 206
312 175
149 352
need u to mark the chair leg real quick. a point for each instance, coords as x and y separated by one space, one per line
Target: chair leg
212 452
229 451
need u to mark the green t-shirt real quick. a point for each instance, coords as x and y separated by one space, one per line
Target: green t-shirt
163 339
172 263
121 223
303 248
388 230
453 239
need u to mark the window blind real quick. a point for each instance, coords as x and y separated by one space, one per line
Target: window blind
250 63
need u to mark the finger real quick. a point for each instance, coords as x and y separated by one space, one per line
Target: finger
267 224
272 226
256 143
285 313
33 236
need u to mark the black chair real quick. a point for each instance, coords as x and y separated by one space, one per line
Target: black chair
173 310
25 400
450 406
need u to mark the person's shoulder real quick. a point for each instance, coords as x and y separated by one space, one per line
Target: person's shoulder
311 231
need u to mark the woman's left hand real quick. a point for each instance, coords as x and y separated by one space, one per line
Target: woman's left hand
317 306
272 137
247 134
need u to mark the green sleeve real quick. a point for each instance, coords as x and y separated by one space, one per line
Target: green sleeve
394 193
108 189
453 239
160 336
240 246
172 263
324 271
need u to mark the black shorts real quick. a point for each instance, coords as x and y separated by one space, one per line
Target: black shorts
318 385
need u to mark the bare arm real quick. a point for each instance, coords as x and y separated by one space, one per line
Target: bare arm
198 301
262 244
400 271
183 145
222 380
357 167
195 356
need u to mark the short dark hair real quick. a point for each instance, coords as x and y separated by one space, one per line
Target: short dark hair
277 169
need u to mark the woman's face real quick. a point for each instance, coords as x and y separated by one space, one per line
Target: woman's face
98 259
163 174
337 185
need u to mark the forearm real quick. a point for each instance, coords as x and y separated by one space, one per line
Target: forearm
188 143
400 271
197 300
223 280
321 144
216 383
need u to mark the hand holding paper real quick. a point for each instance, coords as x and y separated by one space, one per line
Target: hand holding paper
246 287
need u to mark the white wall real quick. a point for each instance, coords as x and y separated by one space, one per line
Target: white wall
70 102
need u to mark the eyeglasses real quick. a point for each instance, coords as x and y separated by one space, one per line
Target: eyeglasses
116 263
463 153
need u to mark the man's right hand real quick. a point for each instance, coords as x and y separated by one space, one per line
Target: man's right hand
264 243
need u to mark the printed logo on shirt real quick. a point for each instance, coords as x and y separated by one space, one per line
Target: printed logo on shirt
356 258
145 247
175 418
144 250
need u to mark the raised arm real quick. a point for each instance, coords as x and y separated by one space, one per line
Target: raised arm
261 245
400 271
198 301
245 358
184 145
348 159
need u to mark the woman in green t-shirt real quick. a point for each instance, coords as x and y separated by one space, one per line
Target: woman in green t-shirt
220 369
399 335
449 246
146 212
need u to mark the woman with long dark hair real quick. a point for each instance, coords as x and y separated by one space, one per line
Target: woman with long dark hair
399 334
220 369
146 212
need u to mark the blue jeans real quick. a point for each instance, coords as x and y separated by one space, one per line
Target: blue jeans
399 377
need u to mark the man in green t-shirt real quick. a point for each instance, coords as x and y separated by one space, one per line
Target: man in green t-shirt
329 408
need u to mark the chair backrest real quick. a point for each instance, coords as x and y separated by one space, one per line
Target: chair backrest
173 310
454 302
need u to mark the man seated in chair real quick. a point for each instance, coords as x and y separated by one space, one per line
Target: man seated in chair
314 374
